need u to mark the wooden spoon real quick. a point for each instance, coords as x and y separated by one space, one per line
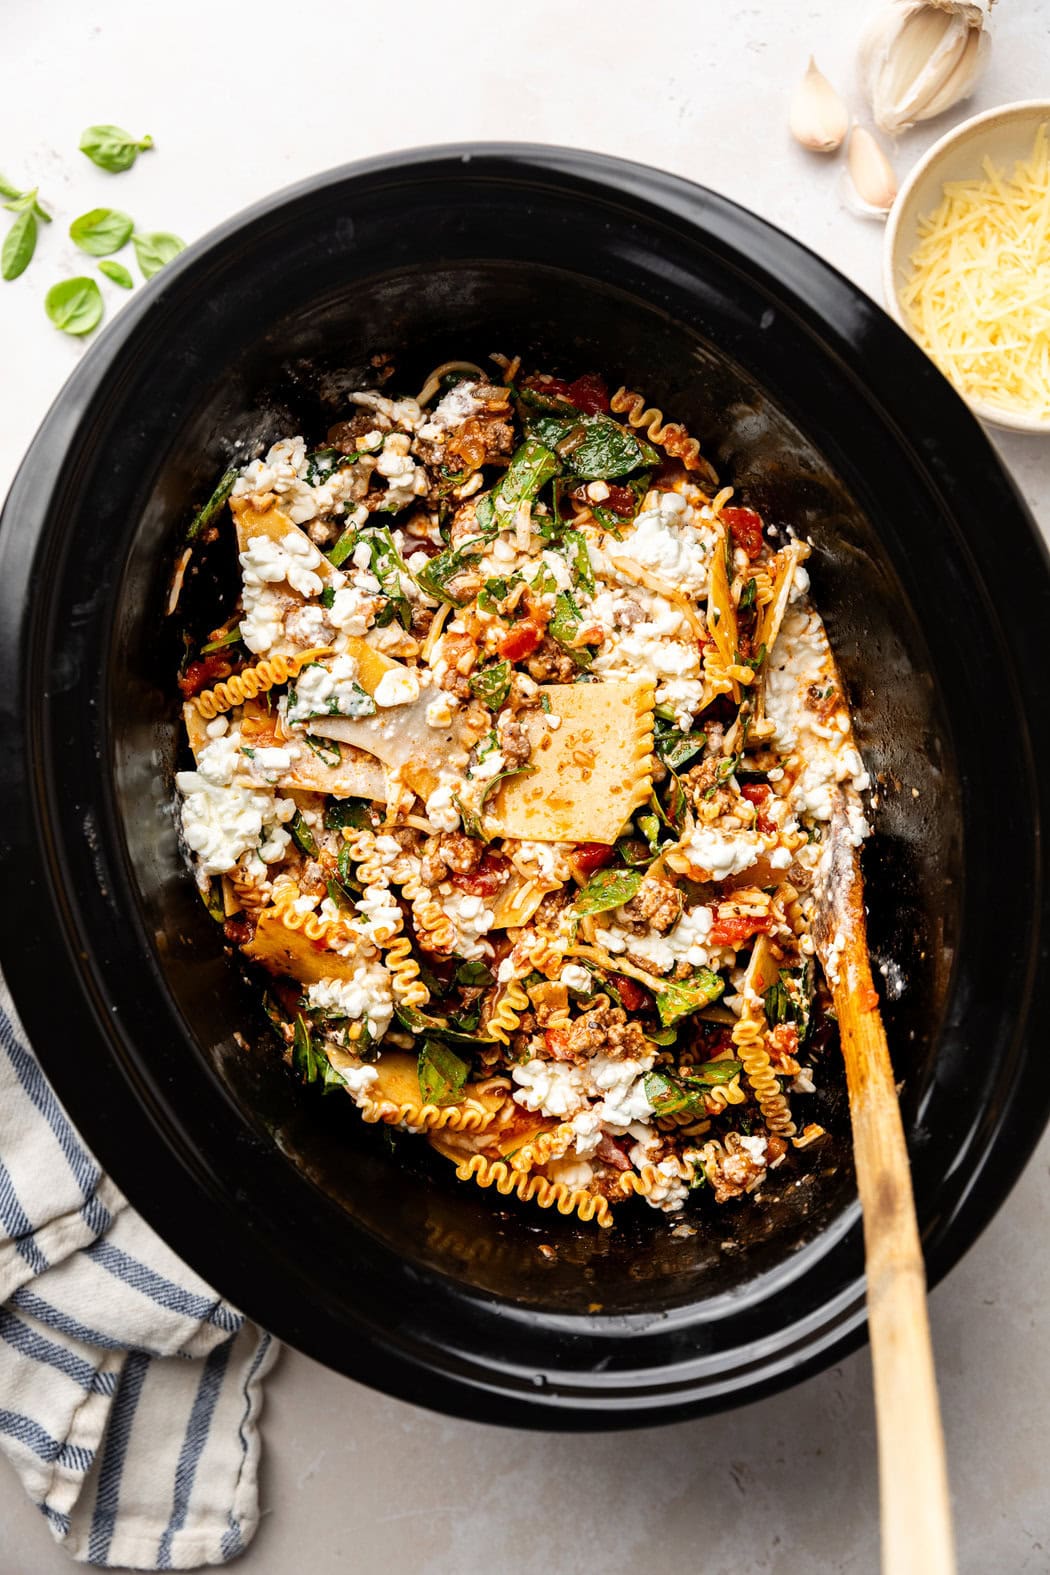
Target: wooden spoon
913 1480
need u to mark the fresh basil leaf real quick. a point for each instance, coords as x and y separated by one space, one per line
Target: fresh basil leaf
302 836
711 1073
156 249
353 812
491 685
101 231
607 889
681 997
442 1073
118 273
112 148
327 750
74 305
7 190
19 246
474 975
669 1098
204 516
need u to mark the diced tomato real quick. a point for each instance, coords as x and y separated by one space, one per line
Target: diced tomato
549 387
759 794
746 526
631 994
486 879
520 641
558 1043
590 856
783 1042
737 929
204 672
589 394
621 500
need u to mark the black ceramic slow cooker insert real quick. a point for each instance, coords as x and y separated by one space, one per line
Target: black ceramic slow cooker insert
934 586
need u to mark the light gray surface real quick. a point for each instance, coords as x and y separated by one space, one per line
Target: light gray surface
241 101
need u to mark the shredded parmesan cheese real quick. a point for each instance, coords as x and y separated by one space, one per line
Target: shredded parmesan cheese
979 294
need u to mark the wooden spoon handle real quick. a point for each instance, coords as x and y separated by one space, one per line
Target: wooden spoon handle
913 1478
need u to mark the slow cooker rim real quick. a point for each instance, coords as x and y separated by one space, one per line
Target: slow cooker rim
595 170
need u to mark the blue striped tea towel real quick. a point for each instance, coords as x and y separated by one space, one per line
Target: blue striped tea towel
129 1392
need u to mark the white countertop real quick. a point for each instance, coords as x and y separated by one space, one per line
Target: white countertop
242 100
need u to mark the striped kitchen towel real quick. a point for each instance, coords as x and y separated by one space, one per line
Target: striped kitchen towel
129 1391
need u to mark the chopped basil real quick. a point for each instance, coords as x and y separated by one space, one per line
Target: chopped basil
532 466
471 810
674 747
302 836
351 700
565 620
442 1073
326 749
353 812
387 564
605 451
230 637
747 595
681 997
711 1073
607 889
310 1061
343 547
491 685
418 1022
579 558
669 1098
204 516
322 463
436 576
474 975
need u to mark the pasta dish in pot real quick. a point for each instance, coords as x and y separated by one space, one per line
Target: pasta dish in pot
514 747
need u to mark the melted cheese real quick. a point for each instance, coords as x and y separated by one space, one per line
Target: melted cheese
979 295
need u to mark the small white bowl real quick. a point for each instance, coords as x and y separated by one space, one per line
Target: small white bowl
1005 135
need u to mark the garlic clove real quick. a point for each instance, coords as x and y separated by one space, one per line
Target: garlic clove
871 186
818 117
960 83
918 57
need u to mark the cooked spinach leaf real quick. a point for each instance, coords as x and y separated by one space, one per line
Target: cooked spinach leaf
607 889
681 997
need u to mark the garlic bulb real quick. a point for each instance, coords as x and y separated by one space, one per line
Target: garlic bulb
818 119
919 57
871 185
